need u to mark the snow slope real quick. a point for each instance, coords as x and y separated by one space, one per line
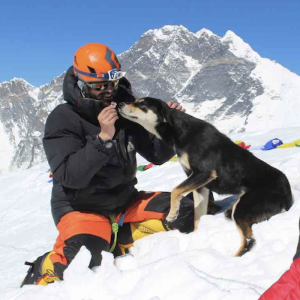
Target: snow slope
164 266
277 107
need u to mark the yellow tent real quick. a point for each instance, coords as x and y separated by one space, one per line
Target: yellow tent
290 145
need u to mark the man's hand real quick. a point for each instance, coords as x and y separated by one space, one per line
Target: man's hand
176 106
107 118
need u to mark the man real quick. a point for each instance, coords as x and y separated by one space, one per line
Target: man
92 154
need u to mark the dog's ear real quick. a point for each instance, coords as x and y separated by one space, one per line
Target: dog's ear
168 114
175 121
165 126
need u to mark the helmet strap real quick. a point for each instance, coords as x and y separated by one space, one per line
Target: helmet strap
83 88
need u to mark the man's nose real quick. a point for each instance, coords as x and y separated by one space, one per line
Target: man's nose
109 89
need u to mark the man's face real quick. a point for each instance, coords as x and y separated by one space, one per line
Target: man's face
104 91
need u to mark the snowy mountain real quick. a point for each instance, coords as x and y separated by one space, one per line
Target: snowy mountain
164 266
219 79
23 112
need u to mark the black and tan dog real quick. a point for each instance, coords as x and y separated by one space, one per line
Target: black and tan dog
213 162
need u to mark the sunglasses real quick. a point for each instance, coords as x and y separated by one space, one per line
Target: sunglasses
114 74
104 85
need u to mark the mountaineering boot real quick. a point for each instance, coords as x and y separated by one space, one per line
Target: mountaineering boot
41 271
136 231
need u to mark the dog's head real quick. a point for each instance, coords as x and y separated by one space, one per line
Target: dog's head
153 114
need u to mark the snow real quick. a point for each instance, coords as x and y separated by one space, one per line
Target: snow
163 266
6 149
163 32
279 106
204 108
34 93
204 31
168 265
20 79
17 79
239 48
36 134
194 68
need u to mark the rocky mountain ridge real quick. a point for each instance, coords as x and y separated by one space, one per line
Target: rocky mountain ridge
219 79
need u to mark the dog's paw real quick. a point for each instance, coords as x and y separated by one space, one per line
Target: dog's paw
172 217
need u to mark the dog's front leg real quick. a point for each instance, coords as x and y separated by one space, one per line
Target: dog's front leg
193 182
176 196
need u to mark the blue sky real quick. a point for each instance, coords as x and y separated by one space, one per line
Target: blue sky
38 38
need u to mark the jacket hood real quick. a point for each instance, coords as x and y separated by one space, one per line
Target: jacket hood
90 108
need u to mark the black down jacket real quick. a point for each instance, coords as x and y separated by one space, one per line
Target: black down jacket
87 176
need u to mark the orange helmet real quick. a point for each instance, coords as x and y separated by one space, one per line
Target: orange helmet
95 63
